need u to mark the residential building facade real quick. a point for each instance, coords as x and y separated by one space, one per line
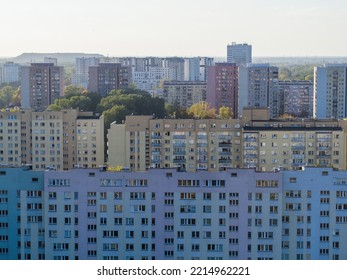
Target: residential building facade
184 94
330 91
165 214
296 98
58 140
106 77
143 142
195 68
81 76
222 86
41 84
258 87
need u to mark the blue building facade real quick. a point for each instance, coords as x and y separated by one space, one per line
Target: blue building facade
164 214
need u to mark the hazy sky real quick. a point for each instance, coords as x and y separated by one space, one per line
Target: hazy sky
175 27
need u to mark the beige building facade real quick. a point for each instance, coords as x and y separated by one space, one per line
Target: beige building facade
267 145
51 139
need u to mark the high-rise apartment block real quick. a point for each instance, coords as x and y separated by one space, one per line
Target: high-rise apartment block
184 94
258 87
143 142
41 84
106 77
10 72
222 86
165 214
58 140
296 98
81 77
330 91
195 68
241 54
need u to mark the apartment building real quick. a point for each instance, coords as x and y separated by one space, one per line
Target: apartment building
166 214
222 87
272 147
195 68
296 98
330 89
41 84
254 141
58 140
81 77
22 229
106 77
144 142
184 94
258 87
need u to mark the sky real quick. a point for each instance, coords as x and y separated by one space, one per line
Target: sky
175 27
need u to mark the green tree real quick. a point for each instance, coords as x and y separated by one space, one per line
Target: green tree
116 114
81 102
73 90
6 96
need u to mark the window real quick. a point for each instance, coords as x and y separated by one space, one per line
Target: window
292 180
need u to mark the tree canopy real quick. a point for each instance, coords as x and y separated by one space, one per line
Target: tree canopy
201 110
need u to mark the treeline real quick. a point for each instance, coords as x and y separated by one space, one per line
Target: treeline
296 72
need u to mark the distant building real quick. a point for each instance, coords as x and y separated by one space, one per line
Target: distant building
222 86
106 77
296 98
81 77
184 94
53 60
195 68
330 91
241 54
10 72
258 87
176 68
41 84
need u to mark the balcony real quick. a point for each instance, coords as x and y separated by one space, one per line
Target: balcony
297 139
324 148
298 148
179 137
179 144
224 161
201 144
250 156
324 139
179 161
156 144
155 136
250 148
224 144
179 153
250 139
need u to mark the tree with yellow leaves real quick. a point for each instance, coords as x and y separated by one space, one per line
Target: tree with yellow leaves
201 110
225 113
